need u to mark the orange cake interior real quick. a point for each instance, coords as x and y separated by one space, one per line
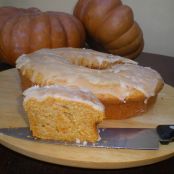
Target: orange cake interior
61 113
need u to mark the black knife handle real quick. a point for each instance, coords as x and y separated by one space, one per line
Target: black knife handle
166 133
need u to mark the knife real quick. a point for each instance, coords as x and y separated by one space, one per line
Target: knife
125 138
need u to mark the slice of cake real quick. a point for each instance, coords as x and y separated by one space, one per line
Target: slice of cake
63 113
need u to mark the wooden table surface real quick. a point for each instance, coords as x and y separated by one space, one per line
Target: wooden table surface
15 163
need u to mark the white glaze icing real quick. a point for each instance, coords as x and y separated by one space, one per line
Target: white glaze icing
66 93
62 66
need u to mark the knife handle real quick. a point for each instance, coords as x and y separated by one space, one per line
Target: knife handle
166 133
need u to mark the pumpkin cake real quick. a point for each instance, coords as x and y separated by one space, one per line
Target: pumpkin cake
63 113
125 88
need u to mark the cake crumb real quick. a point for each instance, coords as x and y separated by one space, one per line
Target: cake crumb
85 143
77 141
99 138
145 101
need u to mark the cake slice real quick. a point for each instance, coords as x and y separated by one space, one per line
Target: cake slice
63 113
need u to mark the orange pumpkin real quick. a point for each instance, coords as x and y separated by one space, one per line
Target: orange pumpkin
26 30
110 27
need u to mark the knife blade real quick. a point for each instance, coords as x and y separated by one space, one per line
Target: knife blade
124 138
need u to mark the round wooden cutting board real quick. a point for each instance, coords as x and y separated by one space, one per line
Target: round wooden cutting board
12 115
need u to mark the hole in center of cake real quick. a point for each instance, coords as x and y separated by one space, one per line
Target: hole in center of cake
94 63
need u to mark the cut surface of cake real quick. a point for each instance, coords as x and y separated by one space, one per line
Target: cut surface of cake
63 113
